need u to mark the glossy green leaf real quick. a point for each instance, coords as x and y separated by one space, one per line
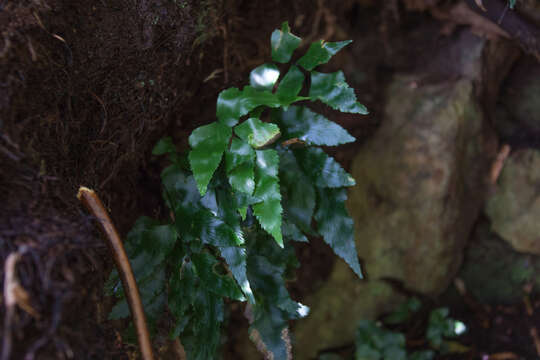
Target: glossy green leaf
153 297
264 77
269 215
320 52
283 43
209 201
290 86
148 245
164 146
224 232
322 169
267 279
208 143
267 265
236 259
268 212
312 128
156 244
202 336
292 232
332 90
235 256
239 160
242 178
268 330
257 133
179 187
233 103
212 230
239 153
183 285
205 266
297 191
336 226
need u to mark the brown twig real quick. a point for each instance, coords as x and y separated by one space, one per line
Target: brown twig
9 301
498 164
503 356
536 339
94 205
526 34
292 142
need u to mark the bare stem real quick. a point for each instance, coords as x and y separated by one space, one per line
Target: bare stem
94 205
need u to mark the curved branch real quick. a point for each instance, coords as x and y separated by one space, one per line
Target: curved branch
525 33
94 205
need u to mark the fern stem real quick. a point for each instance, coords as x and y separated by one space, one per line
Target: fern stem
93 204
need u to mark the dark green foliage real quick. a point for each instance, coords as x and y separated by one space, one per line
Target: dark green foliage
335 225
377 343
264 77
312 128
441 326
332 90
320 52
290 86
283 44
374 342
238 202
404 312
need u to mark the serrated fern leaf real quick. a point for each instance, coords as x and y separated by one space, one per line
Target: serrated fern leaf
283 43
257 133
269 332
310 127
233 103
290 86
297 191
332 90
336 226
320 52
208 143
268 211
201 337
322 169
205 266
148 244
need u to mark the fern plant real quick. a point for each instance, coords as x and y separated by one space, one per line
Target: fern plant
239 200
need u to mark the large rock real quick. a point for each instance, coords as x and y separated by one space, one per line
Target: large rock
514 209
493 272
420 185
421 182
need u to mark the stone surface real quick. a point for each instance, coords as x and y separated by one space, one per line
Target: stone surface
493 272
420 185
514 208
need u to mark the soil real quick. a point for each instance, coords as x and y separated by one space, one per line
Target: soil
87 89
